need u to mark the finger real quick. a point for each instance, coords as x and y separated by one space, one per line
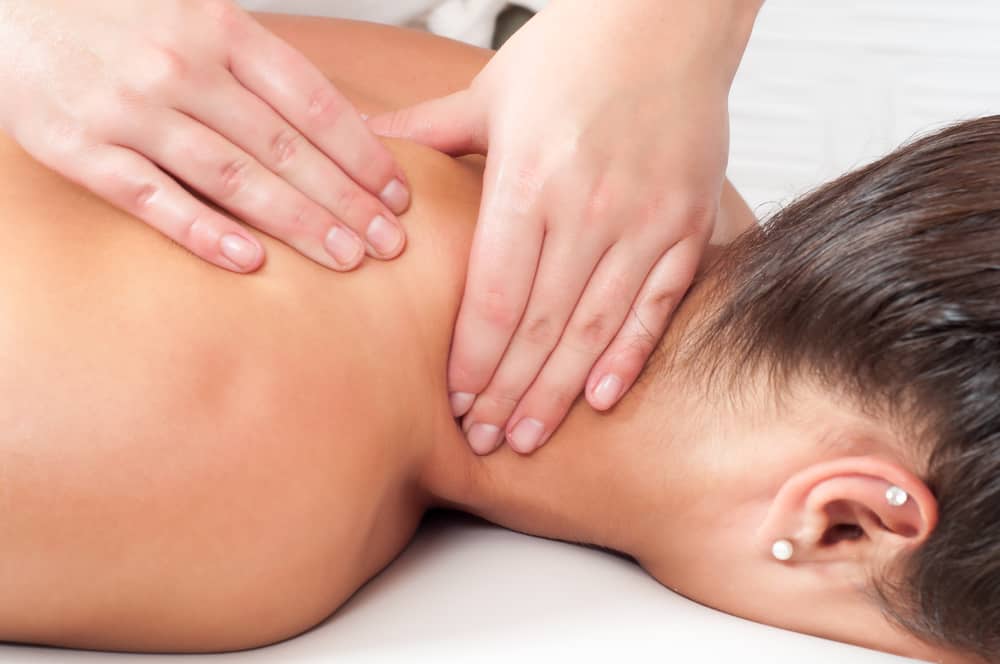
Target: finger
563 273
620 365
455 124
131 182
504 257
295 88
252 125
595 322
209 163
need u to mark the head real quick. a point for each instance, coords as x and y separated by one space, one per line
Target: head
851 345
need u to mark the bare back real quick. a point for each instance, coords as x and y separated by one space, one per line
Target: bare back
191 459
194 460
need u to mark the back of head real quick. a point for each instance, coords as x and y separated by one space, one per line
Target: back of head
885 286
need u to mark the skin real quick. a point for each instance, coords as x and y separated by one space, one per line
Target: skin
239 116
605 128
176 479
597 231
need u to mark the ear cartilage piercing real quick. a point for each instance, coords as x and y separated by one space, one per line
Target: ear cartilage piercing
896 496
782 550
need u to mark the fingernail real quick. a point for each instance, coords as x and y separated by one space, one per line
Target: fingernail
384 236
461 402
607 391
484 438
395 196
342 246
527 435
241 251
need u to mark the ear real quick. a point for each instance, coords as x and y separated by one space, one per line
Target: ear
836 514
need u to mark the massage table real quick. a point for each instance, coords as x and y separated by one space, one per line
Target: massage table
825 86
466 591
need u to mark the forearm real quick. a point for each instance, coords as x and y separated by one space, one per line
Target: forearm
709 35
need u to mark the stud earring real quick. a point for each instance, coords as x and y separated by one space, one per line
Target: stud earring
896 496
782 550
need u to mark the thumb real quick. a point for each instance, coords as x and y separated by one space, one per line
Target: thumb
455 124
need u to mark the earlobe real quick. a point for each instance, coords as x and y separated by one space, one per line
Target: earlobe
858 510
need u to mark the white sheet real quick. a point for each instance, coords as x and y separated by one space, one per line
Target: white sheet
465 591
396 12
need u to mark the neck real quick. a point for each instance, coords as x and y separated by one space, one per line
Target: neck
617 479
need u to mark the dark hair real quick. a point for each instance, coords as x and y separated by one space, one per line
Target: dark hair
886 284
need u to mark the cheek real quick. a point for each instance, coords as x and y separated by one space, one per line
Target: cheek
714 561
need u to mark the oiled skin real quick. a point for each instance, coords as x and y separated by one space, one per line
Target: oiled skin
192 460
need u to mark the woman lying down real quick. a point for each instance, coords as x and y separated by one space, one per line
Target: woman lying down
192 460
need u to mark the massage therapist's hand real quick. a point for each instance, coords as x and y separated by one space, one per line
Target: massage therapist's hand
606 130
139 100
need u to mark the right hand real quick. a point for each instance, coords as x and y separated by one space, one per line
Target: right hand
131 99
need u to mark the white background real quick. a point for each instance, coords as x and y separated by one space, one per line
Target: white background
827 85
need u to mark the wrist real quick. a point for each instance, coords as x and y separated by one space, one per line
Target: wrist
737 19
706 35
712 34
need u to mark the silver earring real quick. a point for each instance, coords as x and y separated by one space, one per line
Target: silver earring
782 550
896 496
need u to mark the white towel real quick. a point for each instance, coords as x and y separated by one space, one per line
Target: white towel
473 21
394 12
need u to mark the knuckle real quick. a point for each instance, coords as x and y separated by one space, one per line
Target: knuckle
472 376
520 189
688 217
224 14
379 167
497 308
198 235
162 72
300 218
539 330
284 147
617 292
61 140
141 198
325 106
347 202
108 116
135 197
232 178
166 68
400 123
660 300
560 398
636 348
642 340
499 401
593 332
598 202
647 326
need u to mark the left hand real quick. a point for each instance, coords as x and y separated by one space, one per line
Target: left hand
606 130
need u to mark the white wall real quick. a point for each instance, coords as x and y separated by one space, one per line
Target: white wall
830 84
825 85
